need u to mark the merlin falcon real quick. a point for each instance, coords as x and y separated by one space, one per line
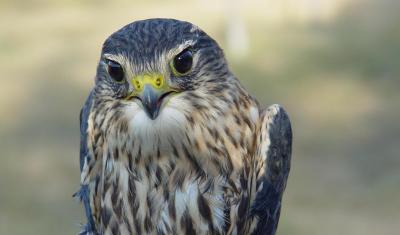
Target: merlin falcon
172 143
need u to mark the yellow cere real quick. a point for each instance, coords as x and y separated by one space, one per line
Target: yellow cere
155 80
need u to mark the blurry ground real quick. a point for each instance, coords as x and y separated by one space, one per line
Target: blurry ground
338 78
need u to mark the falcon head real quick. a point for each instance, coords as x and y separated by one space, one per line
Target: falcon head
160 68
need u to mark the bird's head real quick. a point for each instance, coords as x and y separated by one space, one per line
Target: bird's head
159 64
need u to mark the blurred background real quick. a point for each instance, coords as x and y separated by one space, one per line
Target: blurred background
333 64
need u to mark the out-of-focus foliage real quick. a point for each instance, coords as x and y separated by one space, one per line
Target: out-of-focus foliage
334 65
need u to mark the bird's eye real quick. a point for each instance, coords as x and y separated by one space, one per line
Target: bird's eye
115 70
183 62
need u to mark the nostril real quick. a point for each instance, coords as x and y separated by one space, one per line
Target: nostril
158 81
138 86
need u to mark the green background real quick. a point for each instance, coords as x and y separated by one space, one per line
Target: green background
333 64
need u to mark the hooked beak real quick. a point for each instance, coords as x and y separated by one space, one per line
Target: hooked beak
151 89
152 101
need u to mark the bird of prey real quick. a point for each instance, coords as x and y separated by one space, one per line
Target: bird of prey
172 143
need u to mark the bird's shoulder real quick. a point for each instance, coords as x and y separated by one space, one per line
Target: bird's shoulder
273 158
84 192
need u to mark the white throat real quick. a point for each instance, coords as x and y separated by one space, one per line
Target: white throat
168 128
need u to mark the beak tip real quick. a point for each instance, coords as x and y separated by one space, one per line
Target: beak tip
153 116
152 113
150 102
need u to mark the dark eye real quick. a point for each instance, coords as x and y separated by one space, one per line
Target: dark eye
115 70
183 61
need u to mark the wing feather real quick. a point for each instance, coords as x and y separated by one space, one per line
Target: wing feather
84 191
274 155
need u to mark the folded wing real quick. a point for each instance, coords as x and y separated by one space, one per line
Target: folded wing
274 148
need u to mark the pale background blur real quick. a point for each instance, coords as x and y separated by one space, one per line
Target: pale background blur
333 64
